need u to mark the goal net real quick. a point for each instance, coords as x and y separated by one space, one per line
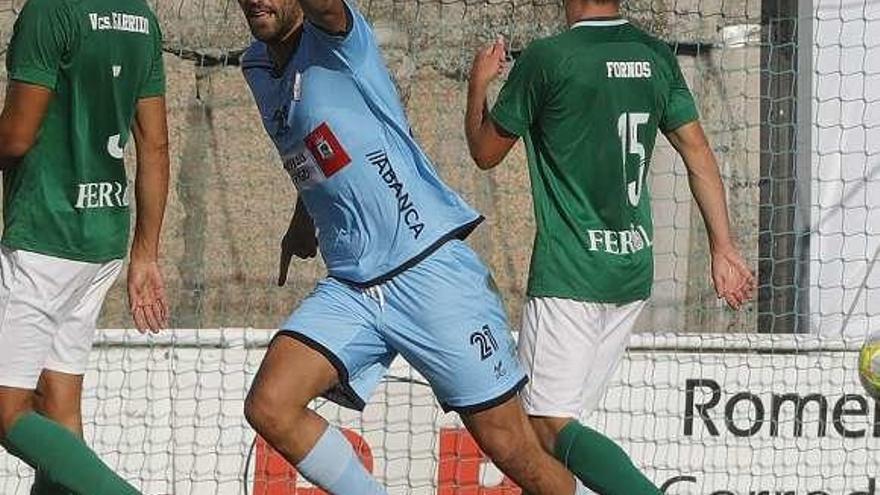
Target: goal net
707 400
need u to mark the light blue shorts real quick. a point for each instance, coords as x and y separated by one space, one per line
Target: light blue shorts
443 315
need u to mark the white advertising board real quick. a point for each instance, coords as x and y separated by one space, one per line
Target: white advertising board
704 415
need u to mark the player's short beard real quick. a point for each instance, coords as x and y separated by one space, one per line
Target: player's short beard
287 17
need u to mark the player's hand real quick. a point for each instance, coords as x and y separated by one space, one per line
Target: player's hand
734 280
299 241
146 296
489 63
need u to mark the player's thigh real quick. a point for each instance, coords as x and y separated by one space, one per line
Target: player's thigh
619 323
73 340
14 402
36 292
59 397
290 376
447 320
329 346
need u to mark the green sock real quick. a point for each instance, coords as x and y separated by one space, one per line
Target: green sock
600 463
42 486
62 458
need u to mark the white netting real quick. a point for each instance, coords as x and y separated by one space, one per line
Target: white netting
789 93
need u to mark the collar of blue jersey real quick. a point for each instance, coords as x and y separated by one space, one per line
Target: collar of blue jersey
600 22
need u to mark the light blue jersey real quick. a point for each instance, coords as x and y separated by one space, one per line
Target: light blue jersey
399 281
336 119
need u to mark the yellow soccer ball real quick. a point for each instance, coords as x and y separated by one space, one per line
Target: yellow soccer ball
869 367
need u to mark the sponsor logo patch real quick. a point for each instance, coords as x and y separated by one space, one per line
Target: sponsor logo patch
327 150
303 168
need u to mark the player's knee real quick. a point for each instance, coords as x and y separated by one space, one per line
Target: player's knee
63 410
267 412
258 410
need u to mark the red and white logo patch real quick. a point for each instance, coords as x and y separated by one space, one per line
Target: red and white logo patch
327 150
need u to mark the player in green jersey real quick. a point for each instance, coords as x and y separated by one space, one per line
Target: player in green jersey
84 77
588 103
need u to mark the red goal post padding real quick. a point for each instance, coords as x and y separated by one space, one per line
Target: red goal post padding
458 470
275 476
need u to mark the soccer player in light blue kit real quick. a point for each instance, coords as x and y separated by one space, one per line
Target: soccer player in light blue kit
401 281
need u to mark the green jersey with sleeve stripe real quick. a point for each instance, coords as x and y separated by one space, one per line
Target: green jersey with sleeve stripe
69 196
588 103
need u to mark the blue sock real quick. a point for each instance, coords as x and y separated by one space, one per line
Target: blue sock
333 466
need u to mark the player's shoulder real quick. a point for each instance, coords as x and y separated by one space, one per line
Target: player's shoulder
86 13
86 7
46 5
47 8
659 47
543 51
660 52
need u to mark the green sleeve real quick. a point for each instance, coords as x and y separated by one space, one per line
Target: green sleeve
521 97
41 40
680 107
154 85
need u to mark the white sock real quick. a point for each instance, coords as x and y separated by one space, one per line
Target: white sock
333 466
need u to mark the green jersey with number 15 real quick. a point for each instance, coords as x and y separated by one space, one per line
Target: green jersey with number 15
69 196
588 103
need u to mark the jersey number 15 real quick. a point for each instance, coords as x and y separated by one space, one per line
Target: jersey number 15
628 131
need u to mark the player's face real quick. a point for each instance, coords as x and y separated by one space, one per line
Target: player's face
271 20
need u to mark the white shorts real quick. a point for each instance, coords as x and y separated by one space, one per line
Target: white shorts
48 312
570 349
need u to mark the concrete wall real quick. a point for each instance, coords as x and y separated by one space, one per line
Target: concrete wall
230 201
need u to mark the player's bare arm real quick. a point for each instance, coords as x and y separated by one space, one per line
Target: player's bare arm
20 121
733 278
329 15
299 241
146 290
487 142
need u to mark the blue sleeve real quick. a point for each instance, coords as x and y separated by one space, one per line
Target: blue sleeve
352 48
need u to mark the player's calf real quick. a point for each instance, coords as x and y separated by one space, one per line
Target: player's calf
290 377
504 434
14 403
59 398
547 429
598 461
64 459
